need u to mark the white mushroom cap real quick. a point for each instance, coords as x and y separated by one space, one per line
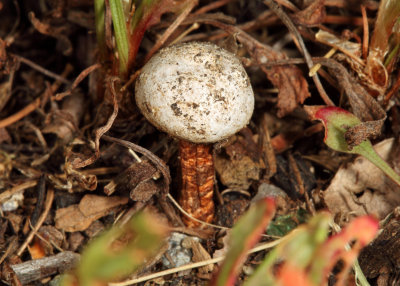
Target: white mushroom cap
195 91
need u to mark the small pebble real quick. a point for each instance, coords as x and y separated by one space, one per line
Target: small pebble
176 252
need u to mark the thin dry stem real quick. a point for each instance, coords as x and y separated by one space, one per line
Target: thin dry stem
49 202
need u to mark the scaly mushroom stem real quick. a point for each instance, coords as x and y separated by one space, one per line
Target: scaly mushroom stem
196 196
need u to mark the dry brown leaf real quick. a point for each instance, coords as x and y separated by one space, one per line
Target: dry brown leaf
237 168
199 254
361 188
312 16
293 87
91 207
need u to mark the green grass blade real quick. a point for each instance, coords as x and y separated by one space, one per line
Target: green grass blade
99 11
121 35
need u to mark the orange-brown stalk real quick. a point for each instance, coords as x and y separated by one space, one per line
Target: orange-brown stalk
196 196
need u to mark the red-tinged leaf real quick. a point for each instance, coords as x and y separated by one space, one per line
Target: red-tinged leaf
362 229
244 235
297 249
336 122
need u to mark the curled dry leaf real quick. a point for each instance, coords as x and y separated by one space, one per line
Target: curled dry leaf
361 188
64 122
138 180
77 177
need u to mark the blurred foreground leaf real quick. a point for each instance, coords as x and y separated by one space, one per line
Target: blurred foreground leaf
119 251
244 235
306 256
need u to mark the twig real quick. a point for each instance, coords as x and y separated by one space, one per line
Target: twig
288 4
41 69
211 6
49 202
195 26
41 191
37 269
10 247
132 78
336 19
316 67
20 114
77 81
4 195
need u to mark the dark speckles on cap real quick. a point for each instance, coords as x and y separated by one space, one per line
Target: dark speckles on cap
177 111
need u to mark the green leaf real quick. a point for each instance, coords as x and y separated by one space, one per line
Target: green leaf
244 235
121 35
283 224
336 122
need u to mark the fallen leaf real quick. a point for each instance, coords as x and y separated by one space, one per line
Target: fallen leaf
362 188
91 207
237 166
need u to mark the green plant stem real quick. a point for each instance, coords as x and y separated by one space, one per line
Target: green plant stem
360 277
365 149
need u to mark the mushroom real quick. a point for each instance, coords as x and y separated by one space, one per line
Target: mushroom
199 93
